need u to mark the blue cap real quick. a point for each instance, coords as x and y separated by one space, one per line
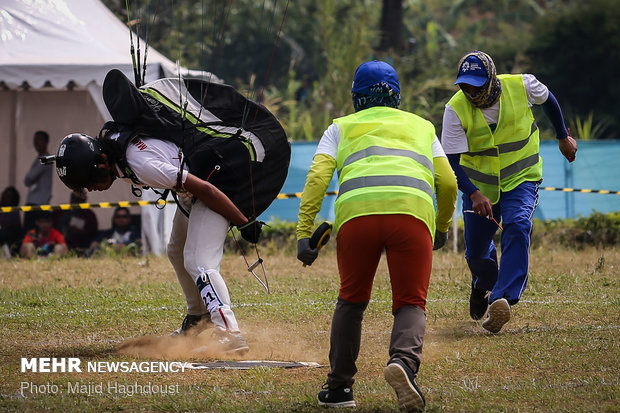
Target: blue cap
371 73
472 72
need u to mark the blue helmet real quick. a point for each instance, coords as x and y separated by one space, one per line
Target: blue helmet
373 73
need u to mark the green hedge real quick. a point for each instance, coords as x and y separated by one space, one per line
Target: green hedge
278 236
598 230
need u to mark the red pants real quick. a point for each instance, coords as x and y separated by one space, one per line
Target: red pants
409 251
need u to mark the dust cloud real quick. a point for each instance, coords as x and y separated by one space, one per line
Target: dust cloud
265 342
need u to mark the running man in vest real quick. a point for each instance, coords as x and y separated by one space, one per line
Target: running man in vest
389 163
492 143
211 169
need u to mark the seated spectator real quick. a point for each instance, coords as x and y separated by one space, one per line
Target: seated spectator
78 226
10 223
122 237
43 240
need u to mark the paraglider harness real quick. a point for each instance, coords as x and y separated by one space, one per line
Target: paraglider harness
208 124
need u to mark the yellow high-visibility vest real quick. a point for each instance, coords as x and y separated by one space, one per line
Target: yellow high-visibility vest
499 160
385 165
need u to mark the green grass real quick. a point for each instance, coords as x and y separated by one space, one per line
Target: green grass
560 352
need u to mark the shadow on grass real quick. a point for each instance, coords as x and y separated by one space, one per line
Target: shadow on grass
458 330
473 329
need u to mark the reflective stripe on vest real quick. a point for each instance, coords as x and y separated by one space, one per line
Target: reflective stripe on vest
384 180
500 160
377 150
385 166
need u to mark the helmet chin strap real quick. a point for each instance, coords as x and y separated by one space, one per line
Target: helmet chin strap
103 171
111 167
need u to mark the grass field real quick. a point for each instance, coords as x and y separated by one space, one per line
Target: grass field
560 352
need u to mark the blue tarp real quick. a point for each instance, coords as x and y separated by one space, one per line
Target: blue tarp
287 209
596 167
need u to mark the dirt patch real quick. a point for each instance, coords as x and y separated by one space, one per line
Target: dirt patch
265 344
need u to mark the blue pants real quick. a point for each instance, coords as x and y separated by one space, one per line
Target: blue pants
508 278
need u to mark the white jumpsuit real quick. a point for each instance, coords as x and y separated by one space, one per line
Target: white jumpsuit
196 244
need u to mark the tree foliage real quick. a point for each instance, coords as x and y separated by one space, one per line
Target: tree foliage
323 41
577 54
234 40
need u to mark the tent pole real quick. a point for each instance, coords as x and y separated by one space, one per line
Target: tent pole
13 140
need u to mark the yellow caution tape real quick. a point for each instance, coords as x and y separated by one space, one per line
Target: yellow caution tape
85 205
64 207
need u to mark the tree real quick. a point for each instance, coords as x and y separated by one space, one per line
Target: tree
577 54
391 26
234 40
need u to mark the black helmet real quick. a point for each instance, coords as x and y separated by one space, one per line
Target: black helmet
77 159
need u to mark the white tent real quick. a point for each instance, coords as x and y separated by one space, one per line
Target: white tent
54 55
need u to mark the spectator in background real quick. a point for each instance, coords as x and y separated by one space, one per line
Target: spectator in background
38 179
122 235
43 240
78 226
303 91
10 223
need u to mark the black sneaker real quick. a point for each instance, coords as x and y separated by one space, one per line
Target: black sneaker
340 397
401 378
193 324
478 303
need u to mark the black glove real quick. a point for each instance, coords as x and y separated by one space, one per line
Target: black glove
440 239
250 231
306 254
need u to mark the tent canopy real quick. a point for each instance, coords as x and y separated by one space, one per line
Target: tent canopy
51 43
54 56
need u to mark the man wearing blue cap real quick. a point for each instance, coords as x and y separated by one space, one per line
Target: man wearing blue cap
492 143
389 163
